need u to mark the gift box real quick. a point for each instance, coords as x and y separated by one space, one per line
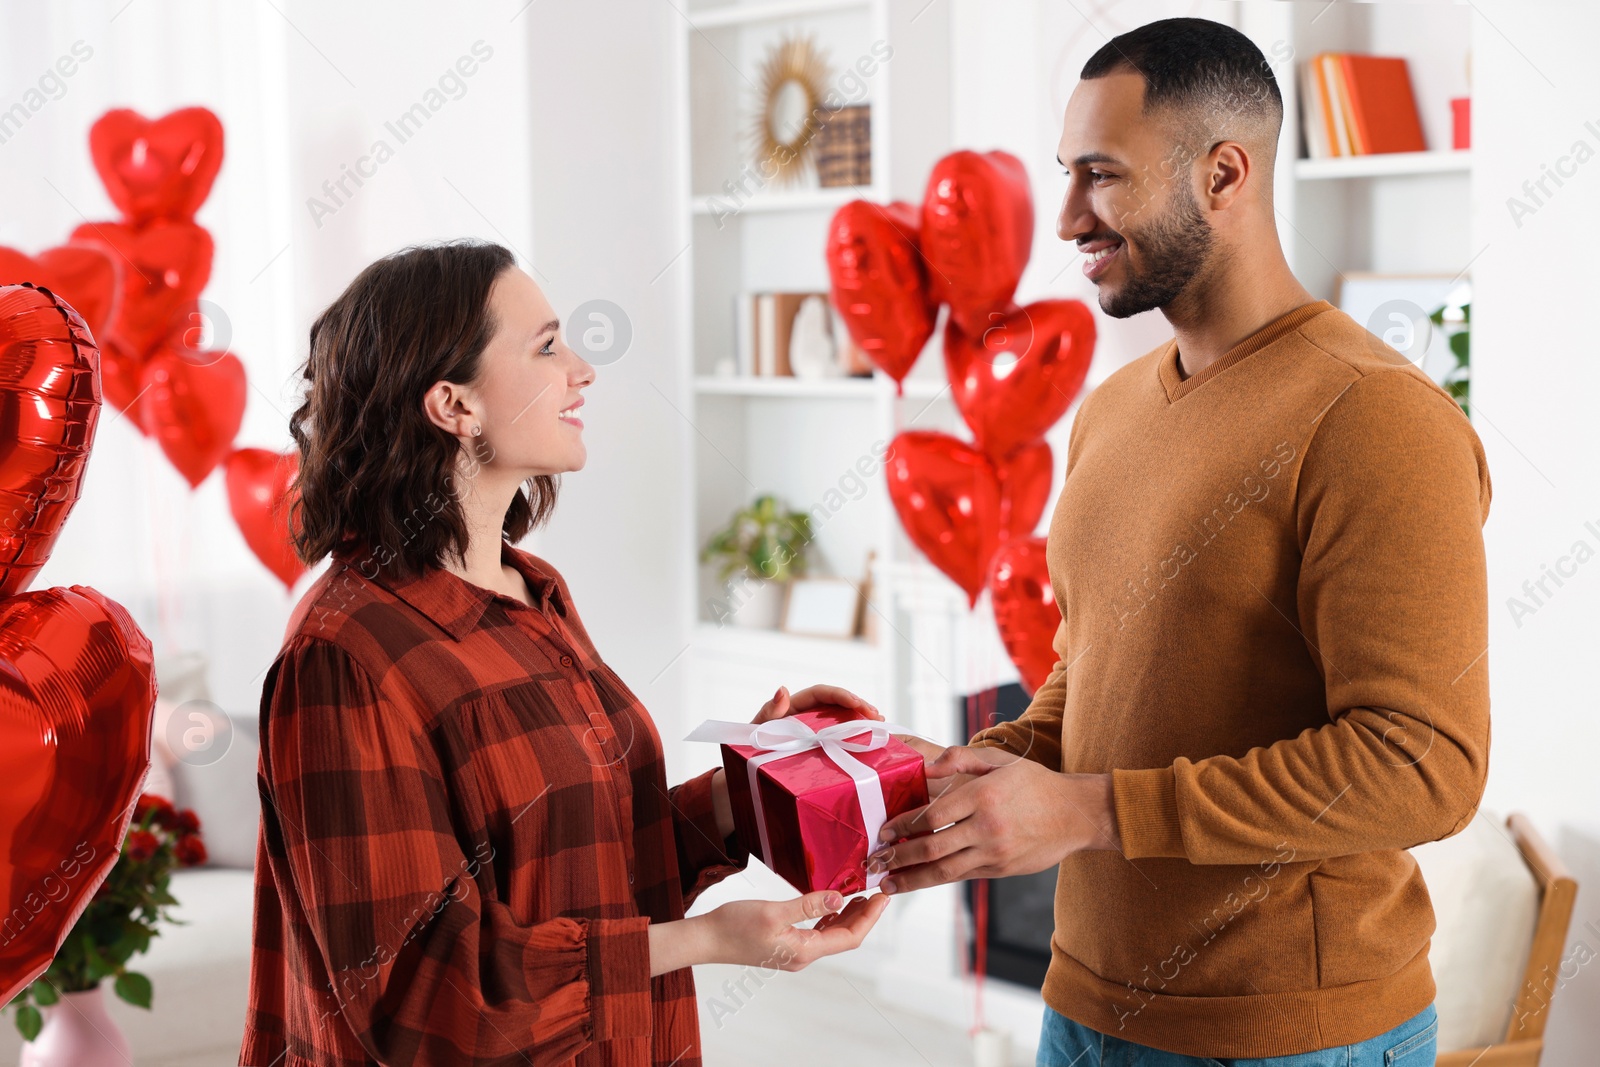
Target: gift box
810 791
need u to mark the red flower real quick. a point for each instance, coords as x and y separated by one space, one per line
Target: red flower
142 844
153 802
186 822
191 851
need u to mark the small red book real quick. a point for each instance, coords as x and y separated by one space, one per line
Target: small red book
1383 111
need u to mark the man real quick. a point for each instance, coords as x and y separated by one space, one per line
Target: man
1271 680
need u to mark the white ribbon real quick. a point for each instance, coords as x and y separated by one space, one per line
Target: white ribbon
780 738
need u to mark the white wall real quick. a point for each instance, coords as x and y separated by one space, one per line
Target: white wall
603 182
1535 378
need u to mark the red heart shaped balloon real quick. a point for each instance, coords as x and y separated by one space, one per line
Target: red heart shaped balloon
77 691
948 498
121 378
1015 378
1025 610
165 267
161 169
977 231
879 283
49 406
193 403
83 276
262 502
1024 489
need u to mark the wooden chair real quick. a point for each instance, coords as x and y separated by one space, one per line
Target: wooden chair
1524 1040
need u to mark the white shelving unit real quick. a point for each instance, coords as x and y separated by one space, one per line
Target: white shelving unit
1400 213
1383 166
814 443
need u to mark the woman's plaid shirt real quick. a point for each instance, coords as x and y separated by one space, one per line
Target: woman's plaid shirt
466 830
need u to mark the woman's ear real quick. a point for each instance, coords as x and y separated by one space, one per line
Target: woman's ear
452 408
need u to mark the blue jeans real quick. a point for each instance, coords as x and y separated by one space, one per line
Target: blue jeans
1064 1043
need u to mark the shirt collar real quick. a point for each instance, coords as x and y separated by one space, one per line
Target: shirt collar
454 604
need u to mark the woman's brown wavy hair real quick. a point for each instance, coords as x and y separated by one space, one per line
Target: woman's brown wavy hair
376 474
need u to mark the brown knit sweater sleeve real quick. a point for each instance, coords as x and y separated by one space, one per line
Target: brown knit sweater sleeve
1392 603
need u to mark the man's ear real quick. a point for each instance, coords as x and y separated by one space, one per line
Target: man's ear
1228 171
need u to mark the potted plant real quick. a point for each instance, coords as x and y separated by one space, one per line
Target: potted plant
117 925
760 549
1456 322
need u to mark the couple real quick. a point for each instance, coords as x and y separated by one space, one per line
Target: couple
1268 556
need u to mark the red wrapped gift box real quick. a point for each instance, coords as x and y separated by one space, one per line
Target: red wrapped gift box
811 806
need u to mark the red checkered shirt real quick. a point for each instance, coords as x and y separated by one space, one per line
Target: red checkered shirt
466 831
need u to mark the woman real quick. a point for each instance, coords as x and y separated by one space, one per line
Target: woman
468 851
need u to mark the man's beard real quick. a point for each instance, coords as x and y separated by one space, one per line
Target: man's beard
1174 248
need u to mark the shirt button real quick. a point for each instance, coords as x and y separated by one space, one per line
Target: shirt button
566 661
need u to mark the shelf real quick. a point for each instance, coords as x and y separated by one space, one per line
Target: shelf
819 388
792 200
745 643
745 14
1384 164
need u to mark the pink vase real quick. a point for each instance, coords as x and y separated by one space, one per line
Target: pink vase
78 1032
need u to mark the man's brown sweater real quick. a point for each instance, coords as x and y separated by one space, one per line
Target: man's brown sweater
1275 619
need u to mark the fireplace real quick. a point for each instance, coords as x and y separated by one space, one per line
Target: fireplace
1019 914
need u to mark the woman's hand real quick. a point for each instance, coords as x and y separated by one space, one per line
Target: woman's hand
780 705
762 933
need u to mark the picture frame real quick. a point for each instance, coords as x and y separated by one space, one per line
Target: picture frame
1395 308
821 607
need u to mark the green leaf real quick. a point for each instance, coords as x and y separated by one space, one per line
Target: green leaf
1459 343
97 967
29 1021
134 988
44 993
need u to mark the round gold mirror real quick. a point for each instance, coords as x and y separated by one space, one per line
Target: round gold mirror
794 79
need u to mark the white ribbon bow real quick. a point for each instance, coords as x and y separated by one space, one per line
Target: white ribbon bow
780 738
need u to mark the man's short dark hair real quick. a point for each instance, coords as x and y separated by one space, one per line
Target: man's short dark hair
1194 64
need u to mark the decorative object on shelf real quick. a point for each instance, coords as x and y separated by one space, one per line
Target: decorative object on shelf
1358 105
951 499
811 351
810 791
139 280
1025 609
844 148
761 548
977 233
117 925
821 607
794 79
1014 379
78 689
1461 122
880 285
766 332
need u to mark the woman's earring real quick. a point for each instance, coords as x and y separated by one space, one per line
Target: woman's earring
476 430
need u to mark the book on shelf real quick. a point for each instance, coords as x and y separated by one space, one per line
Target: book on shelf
1358 105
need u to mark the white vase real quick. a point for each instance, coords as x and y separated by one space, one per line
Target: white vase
78 1032
756 602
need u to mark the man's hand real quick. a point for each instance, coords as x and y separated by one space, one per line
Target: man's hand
1012 816
781 704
